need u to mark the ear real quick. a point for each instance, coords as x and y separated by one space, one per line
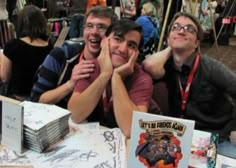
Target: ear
167 41
197 43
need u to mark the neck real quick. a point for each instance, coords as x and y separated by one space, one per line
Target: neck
87 55
181 56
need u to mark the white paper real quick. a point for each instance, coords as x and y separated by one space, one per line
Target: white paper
225 162
86 149
12 126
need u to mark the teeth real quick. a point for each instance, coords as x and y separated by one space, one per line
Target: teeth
94 41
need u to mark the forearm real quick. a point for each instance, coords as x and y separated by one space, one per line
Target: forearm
56 95
123 105
82 104
6 67
154 64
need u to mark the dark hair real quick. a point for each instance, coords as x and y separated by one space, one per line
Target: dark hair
32 22
123 26
101 11
193 19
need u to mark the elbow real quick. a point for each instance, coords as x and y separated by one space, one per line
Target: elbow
149 67
126 133
74 113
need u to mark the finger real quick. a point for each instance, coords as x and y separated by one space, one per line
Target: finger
81 76
82 71
133 58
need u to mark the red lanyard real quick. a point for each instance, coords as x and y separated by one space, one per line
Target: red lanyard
185 93
106 102
81 57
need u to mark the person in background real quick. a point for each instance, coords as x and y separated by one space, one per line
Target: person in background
150 27
92 3
128 9
22 56
4 36
118 86
199 87
70 62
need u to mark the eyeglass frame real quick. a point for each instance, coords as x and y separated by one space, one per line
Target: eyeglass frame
101 28
187 28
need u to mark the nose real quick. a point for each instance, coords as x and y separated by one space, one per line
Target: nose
123 47
182 30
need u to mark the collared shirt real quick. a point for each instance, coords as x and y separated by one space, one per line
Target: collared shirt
209 101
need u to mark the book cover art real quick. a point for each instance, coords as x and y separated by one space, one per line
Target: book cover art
159 141
203 150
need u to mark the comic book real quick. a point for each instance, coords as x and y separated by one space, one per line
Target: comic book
159 141
203 150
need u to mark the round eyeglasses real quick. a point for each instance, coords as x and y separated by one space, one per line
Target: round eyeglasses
187 28
101 28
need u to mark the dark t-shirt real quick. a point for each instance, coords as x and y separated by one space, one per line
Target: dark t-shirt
25 60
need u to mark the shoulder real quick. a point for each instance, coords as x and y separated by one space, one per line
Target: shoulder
209 63
140 76
13 46
67 51
141 19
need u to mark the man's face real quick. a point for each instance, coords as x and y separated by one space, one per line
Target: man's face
183 34
123 47
94 32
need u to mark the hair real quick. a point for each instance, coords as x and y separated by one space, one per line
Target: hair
149 9
193 19
32 23
123 26
101 11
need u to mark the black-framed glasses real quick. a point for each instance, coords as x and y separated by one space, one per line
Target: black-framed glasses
101 28
187 28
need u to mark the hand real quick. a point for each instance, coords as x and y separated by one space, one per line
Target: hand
80 71
233 137
127 68
104 58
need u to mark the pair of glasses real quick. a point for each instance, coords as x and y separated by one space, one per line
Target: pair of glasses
101 28
187 28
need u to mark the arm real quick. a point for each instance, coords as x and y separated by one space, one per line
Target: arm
82 104
6 68
80 71
154 64
122 104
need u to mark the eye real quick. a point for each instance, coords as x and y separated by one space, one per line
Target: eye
117 38
89 26
176 26
101 27
132 46
190 28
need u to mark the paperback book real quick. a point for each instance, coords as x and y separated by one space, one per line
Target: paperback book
160 141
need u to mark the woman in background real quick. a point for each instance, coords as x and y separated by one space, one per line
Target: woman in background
22 57
150 27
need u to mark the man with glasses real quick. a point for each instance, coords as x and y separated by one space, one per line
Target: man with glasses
118 86
199 87
66 64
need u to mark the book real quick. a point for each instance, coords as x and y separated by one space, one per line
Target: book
203 149
160 141
44 125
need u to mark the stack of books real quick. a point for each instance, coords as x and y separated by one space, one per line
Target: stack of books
44 125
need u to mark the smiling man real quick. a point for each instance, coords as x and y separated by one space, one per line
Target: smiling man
118 86
199 87
70 62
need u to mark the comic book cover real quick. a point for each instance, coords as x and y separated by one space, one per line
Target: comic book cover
203 149
159 141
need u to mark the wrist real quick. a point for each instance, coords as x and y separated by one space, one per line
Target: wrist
69 85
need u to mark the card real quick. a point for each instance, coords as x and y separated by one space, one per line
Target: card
12 126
